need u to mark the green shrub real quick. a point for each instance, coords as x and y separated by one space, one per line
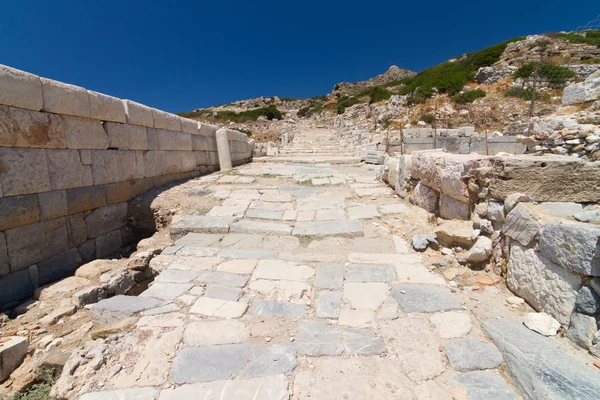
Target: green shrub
346 102
554 73
270 112
322 97
525 94
591 61
377 94
428 117
592 37
310 110
469 97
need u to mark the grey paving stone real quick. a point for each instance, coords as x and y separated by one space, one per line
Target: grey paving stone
210 333
199 239
363 211
301 192
328 304
370 273
222 278
205 364
468 354
538 366
167 308
329 276
274 387
263 228
270 360
197 251
319 339
267 308
175 276
224 292
263 214
242 253
119 307
362 344
167 291
425 299
486 386
143 393
349 228
201 224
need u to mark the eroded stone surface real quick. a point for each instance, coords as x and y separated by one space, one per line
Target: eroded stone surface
205 364
425 299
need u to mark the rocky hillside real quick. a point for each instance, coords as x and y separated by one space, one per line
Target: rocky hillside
393 74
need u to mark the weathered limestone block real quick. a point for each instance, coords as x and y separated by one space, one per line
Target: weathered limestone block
105 166
573 246
199 143
426 198
53 204
212 143
544 285
170 140
87 251
84 133
224 151
543 178
76 230
213 158
188 161
152 138
155 162
138 114
86 157
524 222
106 108
26 128
16 286
66 171
4 265
207 129
85 198
131 165
108 243
23 171
165 120
118 192
20 89
30 244
106 219
588 90
58 267
455 233
201 157
18 211
62 98
12 353
454 209
189 125
125 136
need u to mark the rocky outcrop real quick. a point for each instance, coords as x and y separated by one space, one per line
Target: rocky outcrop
392 74
586 91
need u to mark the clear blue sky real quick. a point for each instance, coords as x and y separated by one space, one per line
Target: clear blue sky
180 55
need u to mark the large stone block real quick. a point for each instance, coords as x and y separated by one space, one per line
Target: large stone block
426 198
12 353
76 230
543 178
30 244
53 204
4 265
108 243
16 286
165 120
588 90
66 171
138 114
454 209
152 138
85 198
171 140
544 285
118 192
201 157
199 143
20 89
189 125
106 219
212 143
84 133
26 128
173 162
573 246
213 158
155 162
62 98
131 165
23 171
18 211
125 136
106 108
207 129
105 166
524 222
58 267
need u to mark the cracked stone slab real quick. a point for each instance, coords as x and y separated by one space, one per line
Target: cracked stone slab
370 273
238 266
319 339
263 228
328 304
176 276
349 228
359 318
227 211
243 253
201 224
425 299
411 273
282 270
218 308
387 209
210 333
485 385
167 308
363 211
223 292
329 276
142 393
270 360
205 364
538 366
274 387
197 251
119 307
166 291
223 278
468 354
452 324
267 308
362 344
365 295
263 214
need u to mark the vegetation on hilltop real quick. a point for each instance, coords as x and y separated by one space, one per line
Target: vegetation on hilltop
554 73
591 36
469 96
270 113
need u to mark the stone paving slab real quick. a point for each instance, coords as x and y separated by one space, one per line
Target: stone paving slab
468 354
282 270
265 308
243 253
218 308
412 273
363 211
319 339
227 211
205 364
196 251
357 343
119 307
222 278
365 295
199 239
485 386
263 228
273 387
201 224
222 292
144 393
238 266
425 299
329 228
270 360
329 276
166 291
328 304
264 214
210 333
370 273
175 276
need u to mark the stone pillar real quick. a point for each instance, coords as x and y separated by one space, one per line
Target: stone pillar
223 150
285 139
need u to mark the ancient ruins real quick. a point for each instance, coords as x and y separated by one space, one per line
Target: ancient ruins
144 255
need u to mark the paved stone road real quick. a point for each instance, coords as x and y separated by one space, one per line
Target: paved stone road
296 288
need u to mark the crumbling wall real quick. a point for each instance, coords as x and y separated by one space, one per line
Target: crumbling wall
70 160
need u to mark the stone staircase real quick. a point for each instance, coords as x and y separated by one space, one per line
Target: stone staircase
318 142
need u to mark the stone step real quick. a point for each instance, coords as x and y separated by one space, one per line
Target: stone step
349 228
201 224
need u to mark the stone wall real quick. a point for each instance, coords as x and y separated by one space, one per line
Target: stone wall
70 160
465 145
